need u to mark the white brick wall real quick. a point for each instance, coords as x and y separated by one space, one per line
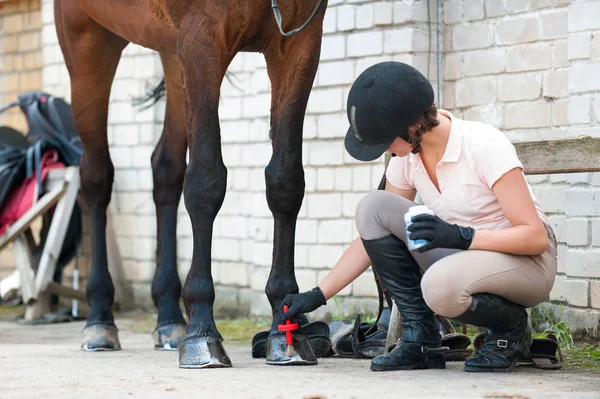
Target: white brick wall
528 67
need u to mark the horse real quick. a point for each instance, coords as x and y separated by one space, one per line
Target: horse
196 41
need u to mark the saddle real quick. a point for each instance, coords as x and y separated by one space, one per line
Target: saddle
52 141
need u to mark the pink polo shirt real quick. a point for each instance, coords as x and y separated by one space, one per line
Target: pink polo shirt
476 156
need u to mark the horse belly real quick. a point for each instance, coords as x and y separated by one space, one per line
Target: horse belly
134 21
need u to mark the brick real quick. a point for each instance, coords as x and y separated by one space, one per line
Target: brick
325 179
330 20
349 203
448 95
404 11
584 78
484 62
472 36
323 206
453 67
310 177
364 285
325 100
361 178
306 279
529 57
383 14
579 110
518 30
577 232
519 87
595 294
475 91
253 106
333 47
336 73
560 56
577 292
346 18
452 10
495 8
556 84
559 226
326 153
579 45
527 115
320 256
576 178
398 40
234 274
365 16
335 231
584 16
596 178
597 107
562 256
551 199
559 289
364 43
517 6
596 232
579 202
12 23
332 125
473 10
595 47
554 25
560 112
257 154
491 114
231 108
343 179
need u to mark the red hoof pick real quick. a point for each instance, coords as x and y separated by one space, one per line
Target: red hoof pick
288 327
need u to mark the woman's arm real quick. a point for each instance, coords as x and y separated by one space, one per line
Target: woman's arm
355 260
527 236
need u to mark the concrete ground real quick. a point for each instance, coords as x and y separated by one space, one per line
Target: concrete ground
44 361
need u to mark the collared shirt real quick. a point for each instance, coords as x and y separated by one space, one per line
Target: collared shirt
476 156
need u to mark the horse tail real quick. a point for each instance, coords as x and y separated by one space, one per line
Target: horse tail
153 95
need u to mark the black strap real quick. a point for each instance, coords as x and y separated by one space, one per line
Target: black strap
293 32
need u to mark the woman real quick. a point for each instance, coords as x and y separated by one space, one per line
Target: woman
491 252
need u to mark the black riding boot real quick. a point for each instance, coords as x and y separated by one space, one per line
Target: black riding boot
507 333
420 347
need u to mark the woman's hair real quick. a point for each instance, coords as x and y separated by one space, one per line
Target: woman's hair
425 123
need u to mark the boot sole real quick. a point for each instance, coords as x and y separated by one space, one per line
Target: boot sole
432 365
489 370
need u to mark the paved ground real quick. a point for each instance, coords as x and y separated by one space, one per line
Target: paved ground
45 361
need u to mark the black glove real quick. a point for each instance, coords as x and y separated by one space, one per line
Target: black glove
439 233
302 303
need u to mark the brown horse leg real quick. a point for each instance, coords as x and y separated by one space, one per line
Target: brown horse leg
203 64
292 74
92 54
168 167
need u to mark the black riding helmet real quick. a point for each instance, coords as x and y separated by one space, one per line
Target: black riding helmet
383 102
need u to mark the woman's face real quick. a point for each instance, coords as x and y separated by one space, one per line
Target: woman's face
400 147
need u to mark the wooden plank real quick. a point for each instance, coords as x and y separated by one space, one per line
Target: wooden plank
560 156
45 203
23 263
66 291
57 231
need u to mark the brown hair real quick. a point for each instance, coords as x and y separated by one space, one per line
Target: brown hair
425 123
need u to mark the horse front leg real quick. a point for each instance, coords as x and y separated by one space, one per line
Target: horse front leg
292 75
203 68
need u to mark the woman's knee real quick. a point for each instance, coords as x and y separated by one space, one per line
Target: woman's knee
443 291
374 210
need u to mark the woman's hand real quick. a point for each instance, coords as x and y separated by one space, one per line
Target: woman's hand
439 233
302 303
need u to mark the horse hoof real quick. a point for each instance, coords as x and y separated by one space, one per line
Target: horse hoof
167 337
100 337
202 352
277 352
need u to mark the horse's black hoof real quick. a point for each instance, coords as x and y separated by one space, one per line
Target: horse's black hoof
167 338
100 337
277 351
202 352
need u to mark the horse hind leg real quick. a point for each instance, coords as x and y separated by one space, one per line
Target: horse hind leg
168 168
92 54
